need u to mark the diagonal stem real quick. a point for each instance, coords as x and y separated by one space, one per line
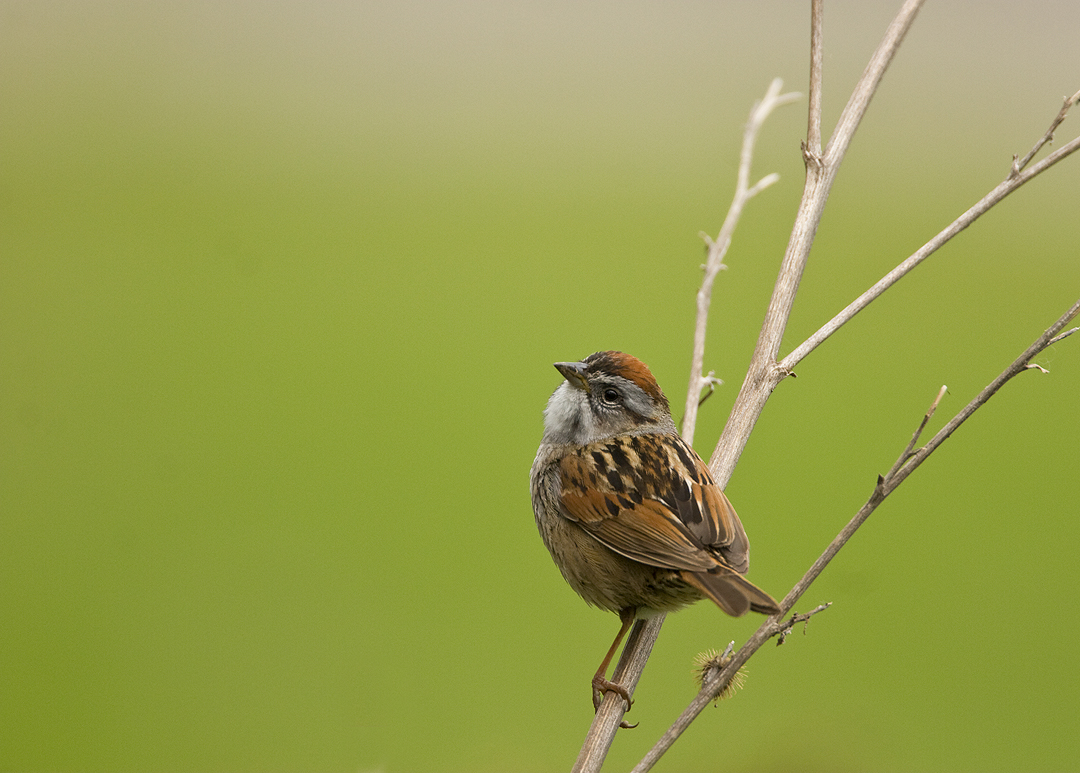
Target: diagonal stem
1007 186
762 375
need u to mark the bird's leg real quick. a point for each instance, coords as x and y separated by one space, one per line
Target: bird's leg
600 682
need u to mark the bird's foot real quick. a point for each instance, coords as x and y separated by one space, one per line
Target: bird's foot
600 685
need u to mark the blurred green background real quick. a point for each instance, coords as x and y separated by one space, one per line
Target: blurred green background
281 286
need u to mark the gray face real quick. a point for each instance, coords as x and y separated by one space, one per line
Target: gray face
588 407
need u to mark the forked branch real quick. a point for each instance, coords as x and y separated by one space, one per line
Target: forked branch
1018 175
906 464
762 376
1049 136
765 372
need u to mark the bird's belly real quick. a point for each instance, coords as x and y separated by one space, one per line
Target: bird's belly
609 580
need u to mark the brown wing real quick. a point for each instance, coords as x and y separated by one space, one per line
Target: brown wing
668 513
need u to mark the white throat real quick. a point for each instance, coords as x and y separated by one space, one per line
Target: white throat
568 418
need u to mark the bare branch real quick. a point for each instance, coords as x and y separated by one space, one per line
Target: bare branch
763 375
909 451
1007 186
1063 336
1049 136
1022 363
774 626
813 127
718 247
795 619
639 644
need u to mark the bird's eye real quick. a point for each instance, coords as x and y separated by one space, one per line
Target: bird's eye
611 396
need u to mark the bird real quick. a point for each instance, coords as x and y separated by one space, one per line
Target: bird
631 515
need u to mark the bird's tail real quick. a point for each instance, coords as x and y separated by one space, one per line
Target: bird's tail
732 592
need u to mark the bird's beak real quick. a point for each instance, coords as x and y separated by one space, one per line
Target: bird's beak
574 373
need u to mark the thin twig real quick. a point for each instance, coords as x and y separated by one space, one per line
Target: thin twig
795 619
1049 136
1007 186
711 382
775 626
909 451
1053 334
718 247
813 120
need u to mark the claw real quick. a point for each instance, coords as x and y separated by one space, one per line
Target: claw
601 686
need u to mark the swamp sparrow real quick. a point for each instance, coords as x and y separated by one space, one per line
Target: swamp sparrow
630 513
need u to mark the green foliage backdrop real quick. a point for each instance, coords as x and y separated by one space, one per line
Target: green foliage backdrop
280 288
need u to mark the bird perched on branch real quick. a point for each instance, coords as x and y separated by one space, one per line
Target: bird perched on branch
629 512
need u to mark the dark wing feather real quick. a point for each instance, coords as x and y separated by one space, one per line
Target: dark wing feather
720 527
646 532
669 513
